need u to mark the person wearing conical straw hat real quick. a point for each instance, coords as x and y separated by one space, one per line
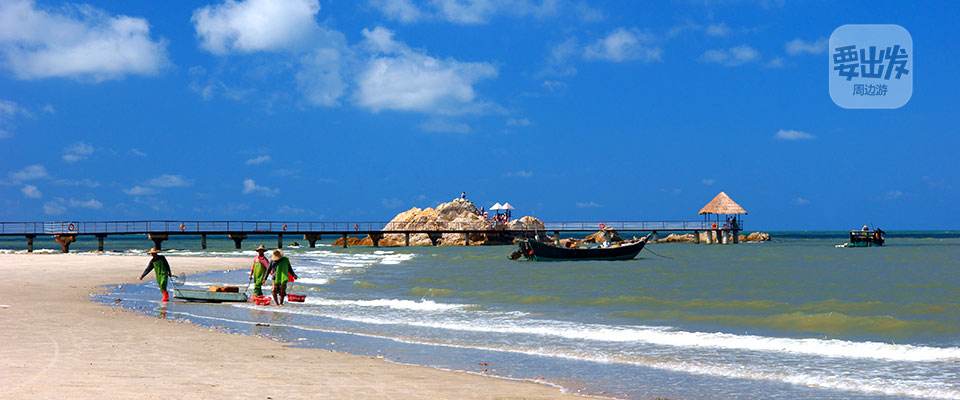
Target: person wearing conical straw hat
258 273
161 270
282 273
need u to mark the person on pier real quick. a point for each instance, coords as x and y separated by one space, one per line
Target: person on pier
282 273
161 270
258 272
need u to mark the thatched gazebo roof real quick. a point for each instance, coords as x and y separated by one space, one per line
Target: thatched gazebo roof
722 204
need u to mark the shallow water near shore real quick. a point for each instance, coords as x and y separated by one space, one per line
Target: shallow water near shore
792 318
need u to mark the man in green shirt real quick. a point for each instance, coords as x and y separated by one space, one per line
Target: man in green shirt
282 273
161 270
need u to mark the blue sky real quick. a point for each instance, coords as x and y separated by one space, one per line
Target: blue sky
570 110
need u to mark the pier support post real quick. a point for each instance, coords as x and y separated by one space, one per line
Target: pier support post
736 236
30 243
375 237
64 241
312 238
406 238
237 239
435 238
556 236
203 241
100 239
466 238
158 239
696 237
344 240
279 240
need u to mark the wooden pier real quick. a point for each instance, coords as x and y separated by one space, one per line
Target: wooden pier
67 232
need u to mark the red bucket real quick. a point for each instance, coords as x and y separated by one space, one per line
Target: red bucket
298 298
261 300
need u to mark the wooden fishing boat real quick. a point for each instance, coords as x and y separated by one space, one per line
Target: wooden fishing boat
539 251
207 296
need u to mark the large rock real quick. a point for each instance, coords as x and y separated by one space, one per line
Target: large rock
755 237
526 223
603 235
456 215
678 238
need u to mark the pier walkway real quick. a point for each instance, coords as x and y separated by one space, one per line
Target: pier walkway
66 232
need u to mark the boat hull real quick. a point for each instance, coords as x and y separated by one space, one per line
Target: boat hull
207 296
545 252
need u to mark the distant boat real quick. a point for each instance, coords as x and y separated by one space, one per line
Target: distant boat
539 251
865 238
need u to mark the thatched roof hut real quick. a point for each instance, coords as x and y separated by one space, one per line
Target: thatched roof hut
722 204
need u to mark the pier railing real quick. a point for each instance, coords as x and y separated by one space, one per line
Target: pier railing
296 227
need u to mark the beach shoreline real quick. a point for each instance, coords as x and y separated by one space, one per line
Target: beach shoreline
63 342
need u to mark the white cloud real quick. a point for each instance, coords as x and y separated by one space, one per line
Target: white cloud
800 201
391 203
137 153
54 208
624 45
776 62
519 174
708 181
717 30
29 173
444 126
85 182
169 181
588 204
60 205
404 11
464 12
258 160
76 42
800 46
321 74
255 25
893 195
138 190
250 187
790 134
9 112
288 210
92 204
518 122
731 57
402 79
31 192
77 152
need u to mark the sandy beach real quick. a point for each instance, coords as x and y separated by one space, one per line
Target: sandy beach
60 344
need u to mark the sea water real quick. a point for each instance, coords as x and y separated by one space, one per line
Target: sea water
792 318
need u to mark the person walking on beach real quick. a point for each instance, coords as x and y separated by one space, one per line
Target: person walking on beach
161 270
258 273
282 273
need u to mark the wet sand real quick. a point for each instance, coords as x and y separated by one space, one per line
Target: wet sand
57 343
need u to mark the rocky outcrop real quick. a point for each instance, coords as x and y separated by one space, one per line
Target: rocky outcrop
603 235
755 237
678 238
458 214
526 223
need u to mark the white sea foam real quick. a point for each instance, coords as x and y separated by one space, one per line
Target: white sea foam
313 281
422 305
665 336
880 386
